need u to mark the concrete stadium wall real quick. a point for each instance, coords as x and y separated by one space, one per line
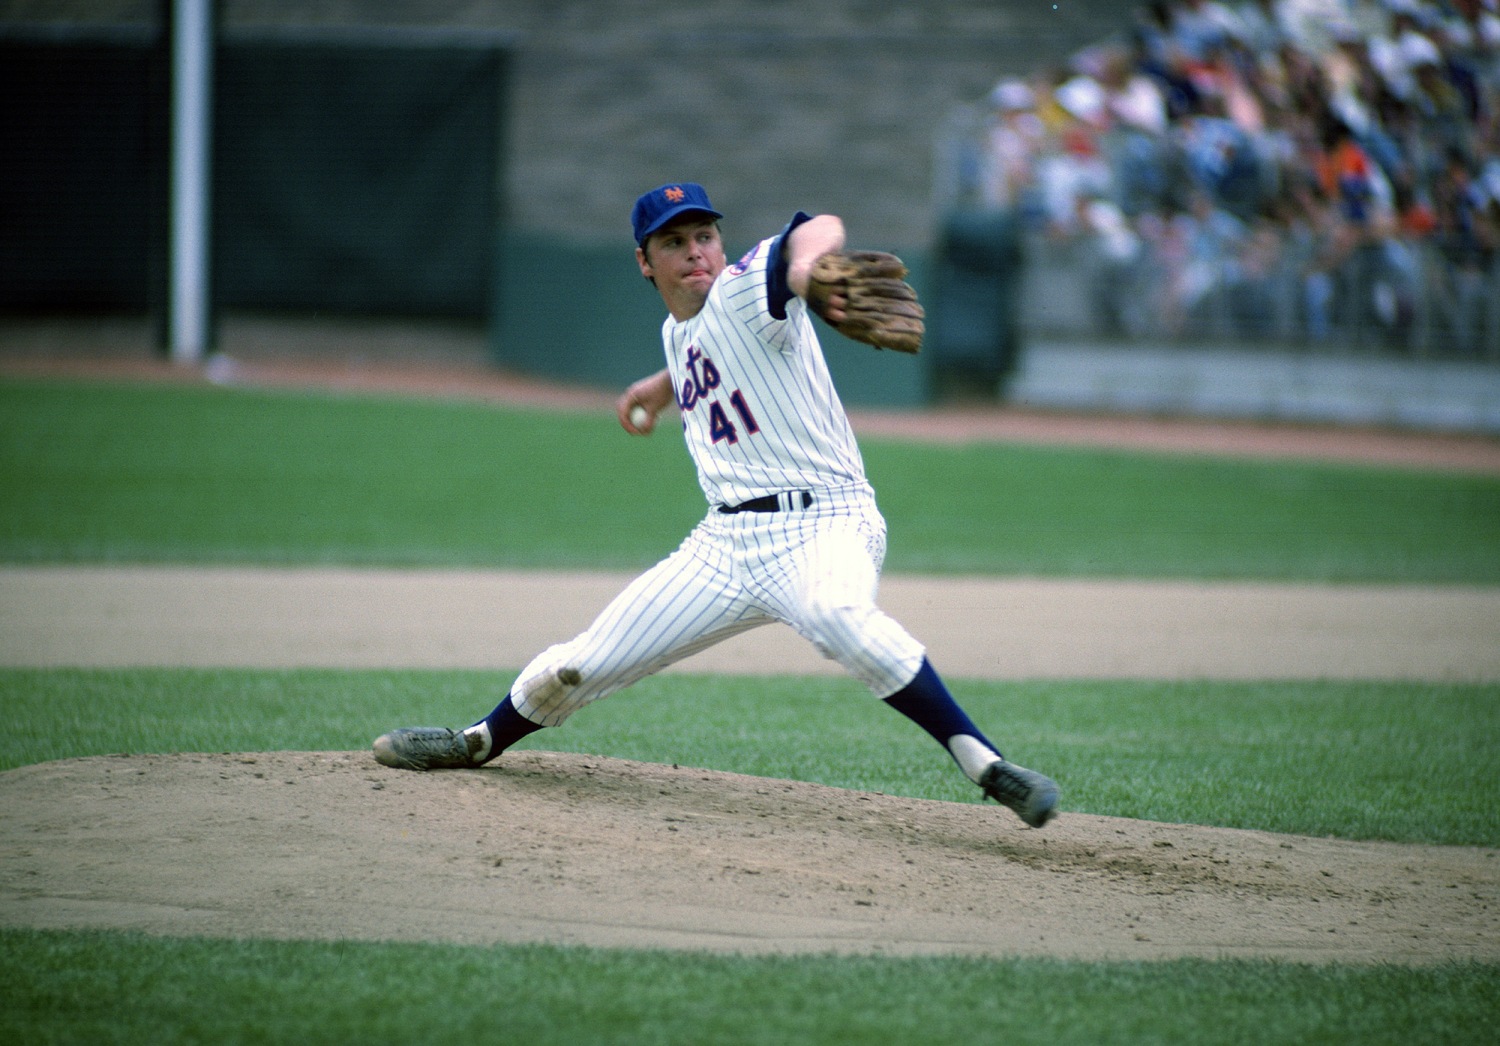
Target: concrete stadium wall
773 105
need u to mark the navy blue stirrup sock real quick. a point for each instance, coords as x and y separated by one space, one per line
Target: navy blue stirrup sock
506 727
927 702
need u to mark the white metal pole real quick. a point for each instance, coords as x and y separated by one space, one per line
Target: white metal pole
192 151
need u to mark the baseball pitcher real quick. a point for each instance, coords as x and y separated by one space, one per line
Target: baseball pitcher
792 533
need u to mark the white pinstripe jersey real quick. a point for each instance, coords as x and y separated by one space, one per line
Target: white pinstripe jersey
759 410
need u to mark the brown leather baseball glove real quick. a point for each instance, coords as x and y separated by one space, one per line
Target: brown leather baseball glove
881 309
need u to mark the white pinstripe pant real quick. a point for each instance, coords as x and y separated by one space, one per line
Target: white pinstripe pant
815 569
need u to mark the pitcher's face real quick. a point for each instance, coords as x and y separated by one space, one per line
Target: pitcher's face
684 259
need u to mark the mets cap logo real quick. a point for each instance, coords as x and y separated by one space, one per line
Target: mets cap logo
675 194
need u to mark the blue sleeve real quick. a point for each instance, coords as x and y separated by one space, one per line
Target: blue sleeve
777 291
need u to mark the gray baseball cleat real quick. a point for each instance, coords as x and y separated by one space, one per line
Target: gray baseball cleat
1031 795
427 748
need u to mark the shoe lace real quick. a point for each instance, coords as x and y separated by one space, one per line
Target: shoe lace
1005 785
431 741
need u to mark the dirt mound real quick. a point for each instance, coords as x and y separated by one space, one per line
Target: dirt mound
588 850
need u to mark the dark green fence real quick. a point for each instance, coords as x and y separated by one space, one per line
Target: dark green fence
355 173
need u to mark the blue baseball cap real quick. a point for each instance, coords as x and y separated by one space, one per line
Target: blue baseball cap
665 202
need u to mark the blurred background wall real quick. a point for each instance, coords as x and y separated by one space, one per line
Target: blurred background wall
481 158
477 160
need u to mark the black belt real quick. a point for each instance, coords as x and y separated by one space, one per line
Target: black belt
772 502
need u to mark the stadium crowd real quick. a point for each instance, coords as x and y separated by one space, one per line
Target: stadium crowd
1293 170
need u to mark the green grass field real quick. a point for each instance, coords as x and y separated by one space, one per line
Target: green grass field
133 474
72 988
147 474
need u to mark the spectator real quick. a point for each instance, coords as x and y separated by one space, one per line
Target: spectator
1078 168
1112 255
1136 145
1398 286
1259 27
1216 240
1221 158
1287 168
1016 137
1199 27
1466 235
1307 24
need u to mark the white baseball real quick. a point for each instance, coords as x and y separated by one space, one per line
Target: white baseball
640 417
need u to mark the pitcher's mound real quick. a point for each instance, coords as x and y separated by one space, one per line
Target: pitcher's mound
588 850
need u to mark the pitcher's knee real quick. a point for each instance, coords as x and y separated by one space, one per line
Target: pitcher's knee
548 690
871 645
